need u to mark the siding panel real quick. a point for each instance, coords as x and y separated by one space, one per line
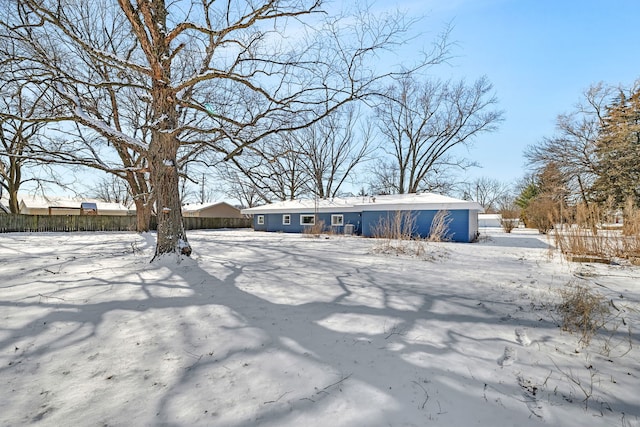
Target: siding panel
458 227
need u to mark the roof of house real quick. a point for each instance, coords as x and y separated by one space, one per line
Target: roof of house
45 202
395 202
196 207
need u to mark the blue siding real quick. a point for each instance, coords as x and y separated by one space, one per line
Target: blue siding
364 223
260 227
273 222
458 227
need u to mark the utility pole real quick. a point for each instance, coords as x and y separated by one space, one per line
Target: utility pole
202 189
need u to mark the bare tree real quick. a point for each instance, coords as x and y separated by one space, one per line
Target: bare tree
385 178
488 192
112 189
18 134
331 149
316 160
272 169
238 186
93 116
223 75
15 137
573 149
423 122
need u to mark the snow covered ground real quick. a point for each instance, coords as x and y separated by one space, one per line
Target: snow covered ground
285 330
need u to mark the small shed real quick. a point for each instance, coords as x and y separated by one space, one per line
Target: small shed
211 210
88 208
361 215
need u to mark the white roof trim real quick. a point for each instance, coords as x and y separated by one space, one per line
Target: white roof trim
37 202
396 202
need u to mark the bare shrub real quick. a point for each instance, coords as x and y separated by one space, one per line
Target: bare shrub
395 235
582 242
583 311
314 230
589 216
541 213
585 239
397 226
439 231
631 230
509 219
631 226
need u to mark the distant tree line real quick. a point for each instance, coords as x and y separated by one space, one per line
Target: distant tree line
591 163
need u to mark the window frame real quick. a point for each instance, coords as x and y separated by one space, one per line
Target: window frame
260 220
302 217
336 216
286 219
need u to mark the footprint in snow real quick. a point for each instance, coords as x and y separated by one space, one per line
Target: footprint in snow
521 337
508 357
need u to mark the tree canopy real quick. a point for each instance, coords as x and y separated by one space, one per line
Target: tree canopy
138 88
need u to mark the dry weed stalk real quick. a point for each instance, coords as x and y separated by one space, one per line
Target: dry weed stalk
439 231
584 239
583 311
398 226
631 230
578 241
394 234
585 385
314 230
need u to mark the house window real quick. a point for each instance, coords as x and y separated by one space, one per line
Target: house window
286 219
337 219
260 219
307 219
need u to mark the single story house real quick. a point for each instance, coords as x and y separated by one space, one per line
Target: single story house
361 215
37 205
211 210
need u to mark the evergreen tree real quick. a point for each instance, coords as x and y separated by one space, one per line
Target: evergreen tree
527 194
618 152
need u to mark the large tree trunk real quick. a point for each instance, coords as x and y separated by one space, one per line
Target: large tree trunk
141 194
14 206
13 185
164 177
143 215
162 158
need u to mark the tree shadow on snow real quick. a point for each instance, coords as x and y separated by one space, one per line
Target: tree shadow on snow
516 241
342 341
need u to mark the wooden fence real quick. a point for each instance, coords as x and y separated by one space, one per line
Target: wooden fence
21 223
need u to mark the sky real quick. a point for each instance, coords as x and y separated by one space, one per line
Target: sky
540 56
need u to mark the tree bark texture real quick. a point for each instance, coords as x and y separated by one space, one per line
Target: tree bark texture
164 176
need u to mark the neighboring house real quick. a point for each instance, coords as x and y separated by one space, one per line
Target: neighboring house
37 205
211 210
489 220
4 207
361 215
